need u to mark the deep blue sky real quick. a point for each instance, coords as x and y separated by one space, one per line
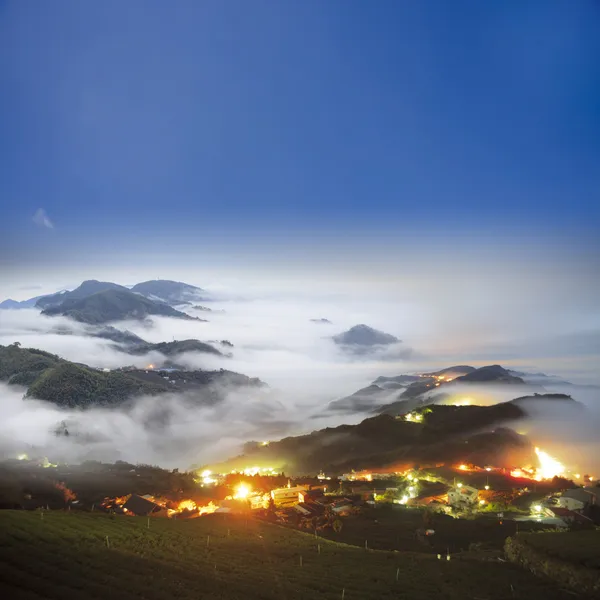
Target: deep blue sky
172 122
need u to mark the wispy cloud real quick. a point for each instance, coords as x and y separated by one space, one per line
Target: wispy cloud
42 219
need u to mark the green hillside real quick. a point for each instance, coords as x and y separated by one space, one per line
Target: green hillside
73 385
23 365
78 555
49 377
174 348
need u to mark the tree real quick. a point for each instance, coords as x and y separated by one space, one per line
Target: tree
271 515
390 495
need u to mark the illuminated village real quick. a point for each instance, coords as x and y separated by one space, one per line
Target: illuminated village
543 493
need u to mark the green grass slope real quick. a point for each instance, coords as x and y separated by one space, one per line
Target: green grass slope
65 555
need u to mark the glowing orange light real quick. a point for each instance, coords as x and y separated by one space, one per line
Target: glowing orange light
186 505
242 492
208 509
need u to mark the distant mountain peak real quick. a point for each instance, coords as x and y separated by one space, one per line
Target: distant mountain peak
171 292
113 305
363 335
16 304
489 373
87 288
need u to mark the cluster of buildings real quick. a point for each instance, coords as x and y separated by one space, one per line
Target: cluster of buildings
578 505
311 497
309 501
366 476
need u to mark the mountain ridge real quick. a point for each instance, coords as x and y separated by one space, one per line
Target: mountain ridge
113 305
363 335
53 379
163 290
168 291
445 433
85 289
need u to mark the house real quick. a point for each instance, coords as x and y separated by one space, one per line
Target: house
571 516
309 510
288 494
342 507
577 498
462 495
310 495
143 507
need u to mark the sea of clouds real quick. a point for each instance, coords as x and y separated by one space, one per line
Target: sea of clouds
275 340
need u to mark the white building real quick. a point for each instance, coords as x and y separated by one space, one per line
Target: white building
463 495
577 498
287 494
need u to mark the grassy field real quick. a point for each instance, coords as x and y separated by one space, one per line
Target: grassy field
65 555
579 547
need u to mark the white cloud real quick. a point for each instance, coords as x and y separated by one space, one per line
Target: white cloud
42 219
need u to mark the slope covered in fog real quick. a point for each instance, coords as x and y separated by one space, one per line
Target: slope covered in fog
433 434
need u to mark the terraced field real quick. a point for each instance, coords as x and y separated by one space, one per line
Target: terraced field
89 556
393 528
577 547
